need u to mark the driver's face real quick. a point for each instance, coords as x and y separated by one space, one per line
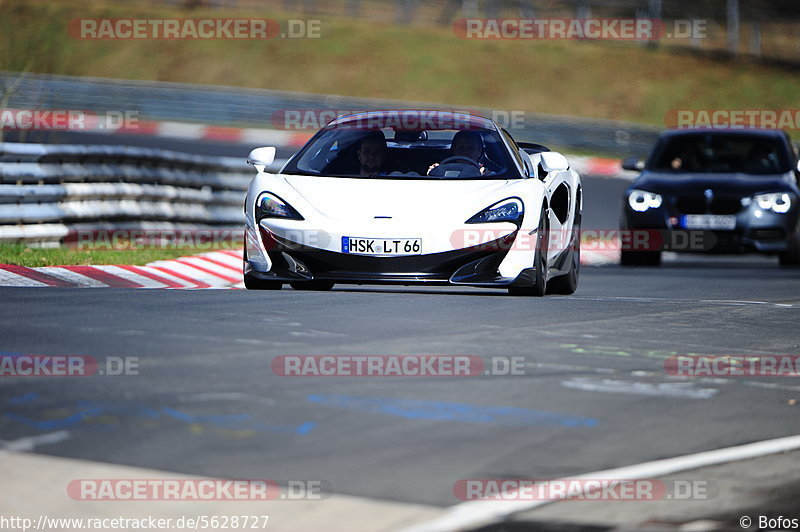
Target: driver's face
467 148
371 155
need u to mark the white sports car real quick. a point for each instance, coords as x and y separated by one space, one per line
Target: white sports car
414 197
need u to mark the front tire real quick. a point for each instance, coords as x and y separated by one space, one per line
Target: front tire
567 284
539 263
254 283
791 257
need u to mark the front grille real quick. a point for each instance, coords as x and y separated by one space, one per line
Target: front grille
767 234
697 203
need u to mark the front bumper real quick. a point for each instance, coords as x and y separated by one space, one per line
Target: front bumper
755 231
477 265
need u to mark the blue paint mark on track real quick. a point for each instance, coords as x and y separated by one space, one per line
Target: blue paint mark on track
22 399
91 409
450 411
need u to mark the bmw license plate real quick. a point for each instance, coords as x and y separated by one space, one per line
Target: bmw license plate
381 246
709 221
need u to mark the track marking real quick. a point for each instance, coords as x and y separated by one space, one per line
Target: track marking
661 389
476 513
720 302
31 442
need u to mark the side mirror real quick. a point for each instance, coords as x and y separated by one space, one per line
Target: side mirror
634 164
262 157
552 161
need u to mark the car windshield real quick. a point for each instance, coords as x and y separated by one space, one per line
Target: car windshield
721 153
404 154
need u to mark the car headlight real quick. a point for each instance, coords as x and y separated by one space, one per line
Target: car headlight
779 202
507 210
271 206
641 200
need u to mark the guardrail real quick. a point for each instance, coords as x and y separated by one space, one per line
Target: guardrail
231 106
48 193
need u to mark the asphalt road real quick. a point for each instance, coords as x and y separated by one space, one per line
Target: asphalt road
207 402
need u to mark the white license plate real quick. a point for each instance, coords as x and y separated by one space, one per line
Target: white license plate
709 221
381 246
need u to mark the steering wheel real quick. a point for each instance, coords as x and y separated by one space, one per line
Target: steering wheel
460 159
465 163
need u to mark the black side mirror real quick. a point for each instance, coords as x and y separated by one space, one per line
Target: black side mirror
634 164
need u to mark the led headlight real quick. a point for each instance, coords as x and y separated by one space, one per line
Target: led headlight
778 202
507 210
641 200
271 206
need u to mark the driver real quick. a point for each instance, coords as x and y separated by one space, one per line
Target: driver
467 144
371 154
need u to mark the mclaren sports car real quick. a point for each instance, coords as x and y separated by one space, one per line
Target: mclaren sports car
414 197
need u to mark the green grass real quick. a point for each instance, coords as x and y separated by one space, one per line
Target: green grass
622 81
21 255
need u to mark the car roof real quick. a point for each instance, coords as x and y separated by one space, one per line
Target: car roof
428 119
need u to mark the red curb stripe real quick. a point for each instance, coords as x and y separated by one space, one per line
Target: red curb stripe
233 253
299 139
104 277
229 134
35 275
150 275
195 282
220 263
205 270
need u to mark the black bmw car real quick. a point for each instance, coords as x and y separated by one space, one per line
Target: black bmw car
731 191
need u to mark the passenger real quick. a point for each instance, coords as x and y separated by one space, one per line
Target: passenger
371 154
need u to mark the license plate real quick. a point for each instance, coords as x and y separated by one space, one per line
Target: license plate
709 221
381 246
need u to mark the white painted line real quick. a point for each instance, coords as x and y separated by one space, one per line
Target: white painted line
14 279
719 302
73 278
146 282
31 442
662 389
476 513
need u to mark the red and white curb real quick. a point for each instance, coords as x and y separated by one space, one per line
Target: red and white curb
216 269
182 130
